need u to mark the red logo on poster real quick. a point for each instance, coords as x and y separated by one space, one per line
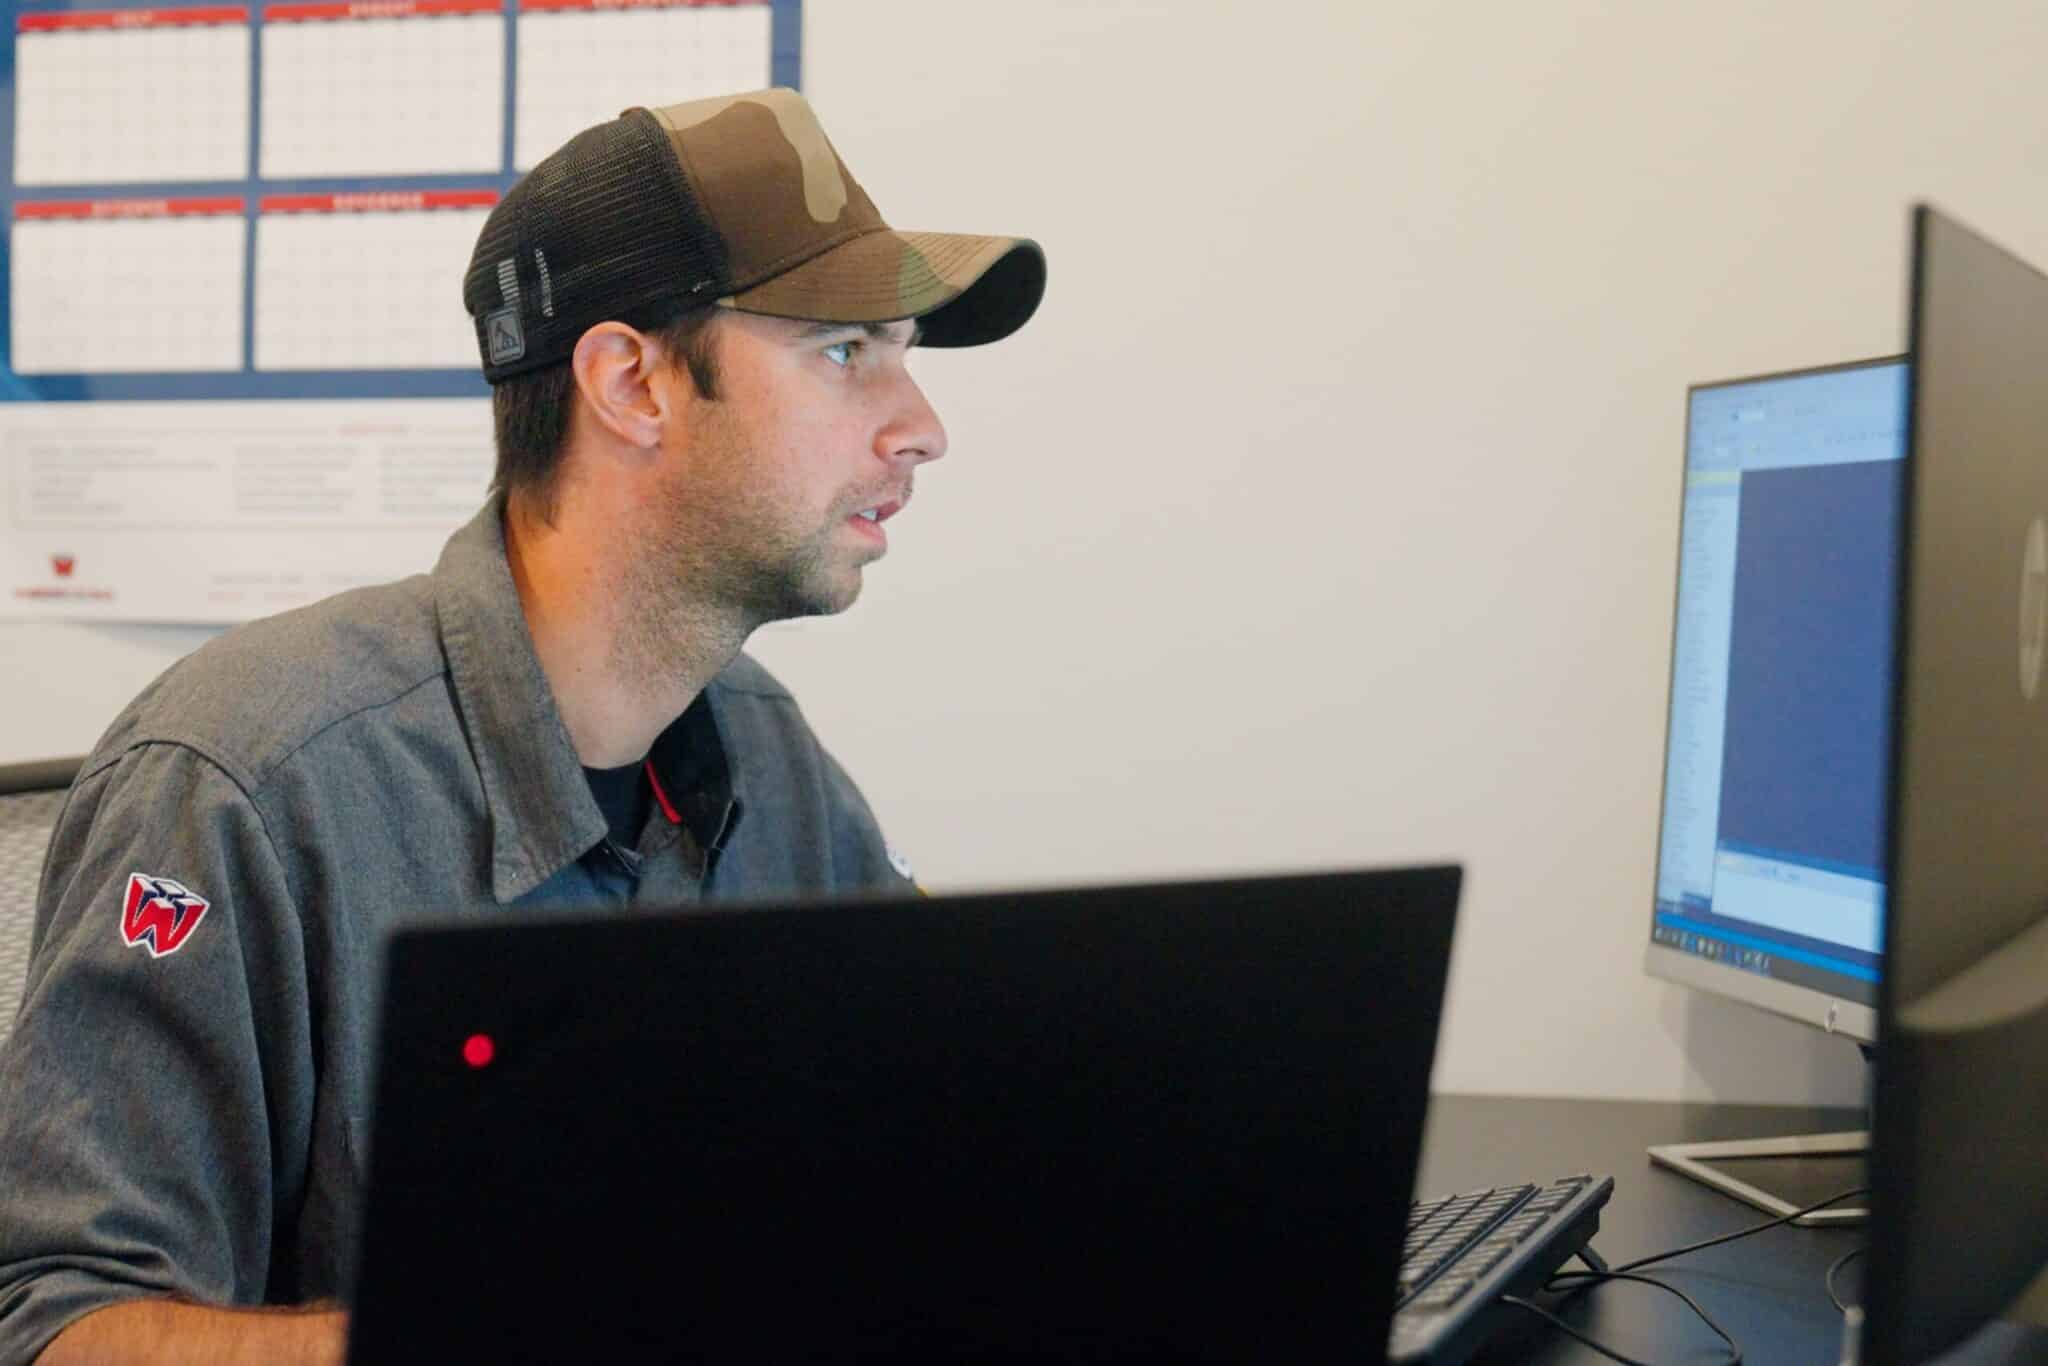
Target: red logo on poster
63 564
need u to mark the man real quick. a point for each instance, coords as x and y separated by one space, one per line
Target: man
695 323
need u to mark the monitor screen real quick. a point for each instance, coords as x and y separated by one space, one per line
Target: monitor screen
1770 883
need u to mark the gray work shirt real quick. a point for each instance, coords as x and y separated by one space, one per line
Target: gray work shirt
184 1102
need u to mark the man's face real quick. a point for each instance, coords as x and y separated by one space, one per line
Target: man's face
773 497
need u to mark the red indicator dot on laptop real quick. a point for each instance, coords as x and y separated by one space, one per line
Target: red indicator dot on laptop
478 1050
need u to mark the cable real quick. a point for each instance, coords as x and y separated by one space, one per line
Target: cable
1741 1233
1587 1283
1582 1281
1734 1348
1835 1298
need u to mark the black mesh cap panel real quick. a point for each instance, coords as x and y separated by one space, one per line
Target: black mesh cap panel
605 228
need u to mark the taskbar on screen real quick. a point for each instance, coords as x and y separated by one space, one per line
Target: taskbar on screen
1779 962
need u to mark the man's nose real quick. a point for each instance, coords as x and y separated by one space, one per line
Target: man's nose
914 435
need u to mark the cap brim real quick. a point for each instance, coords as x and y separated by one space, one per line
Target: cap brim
964 290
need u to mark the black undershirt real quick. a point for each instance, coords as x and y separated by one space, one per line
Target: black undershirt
623 795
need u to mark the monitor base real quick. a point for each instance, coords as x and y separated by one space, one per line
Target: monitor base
1780 1175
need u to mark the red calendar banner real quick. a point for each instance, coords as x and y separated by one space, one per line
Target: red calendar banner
378 201
131 18
377 9
81 209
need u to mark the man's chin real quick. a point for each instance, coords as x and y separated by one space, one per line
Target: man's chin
821 599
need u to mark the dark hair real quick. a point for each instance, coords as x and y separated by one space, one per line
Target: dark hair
530 412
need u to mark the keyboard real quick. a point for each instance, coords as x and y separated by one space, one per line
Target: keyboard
1463 1252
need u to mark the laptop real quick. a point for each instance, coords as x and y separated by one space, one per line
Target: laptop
1176 1120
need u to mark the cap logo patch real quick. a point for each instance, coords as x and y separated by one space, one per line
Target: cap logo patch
507 338
159 915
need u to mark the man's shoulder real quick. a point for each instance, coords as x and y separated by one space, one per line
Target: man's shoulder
252 697
781 766
769 741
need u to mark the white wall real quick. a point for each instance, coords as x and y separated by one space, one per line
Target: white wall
1326 514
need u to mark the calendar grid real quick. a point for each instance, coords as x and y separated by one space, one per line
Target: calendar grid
340 279
587 59
119 98
94 289
400 171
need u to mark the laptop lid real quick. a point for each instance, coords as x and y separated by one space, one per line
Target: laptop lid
1171 1120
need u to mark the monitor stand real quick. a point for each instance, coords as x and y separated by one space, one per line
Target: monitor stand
1780 1175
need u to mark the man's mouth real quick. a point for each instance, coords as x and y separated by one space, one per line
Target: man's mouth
868 520
878 513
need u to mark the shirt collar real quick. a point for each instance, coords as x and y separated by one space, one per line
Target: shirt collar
543 816
694 784
542 813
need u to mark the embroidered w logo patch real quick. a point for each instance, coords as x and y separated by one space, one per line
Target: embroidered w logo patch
159 915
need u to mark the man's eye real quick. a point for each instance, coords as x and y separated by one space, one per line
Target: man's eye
841 353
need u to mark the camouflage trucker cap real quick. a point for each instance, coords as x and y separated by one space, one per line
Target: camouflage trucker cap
739 201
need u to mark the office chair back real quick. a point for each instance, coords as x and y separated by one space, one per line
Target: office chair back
30 796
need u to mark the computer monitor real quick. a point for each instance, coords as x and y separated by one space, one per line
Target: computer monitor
1770 886
1960 1162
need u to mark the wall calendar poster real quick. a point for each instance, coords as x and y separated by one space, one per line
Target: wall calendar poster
235 371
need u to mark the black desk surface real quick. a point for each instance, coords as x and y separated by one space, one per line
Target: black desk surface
1768 1290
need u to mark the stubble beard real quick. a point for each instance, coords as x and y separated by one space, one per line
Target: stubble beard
712 568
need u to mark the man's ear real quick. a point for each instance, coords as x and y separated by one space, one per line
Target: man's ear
617 370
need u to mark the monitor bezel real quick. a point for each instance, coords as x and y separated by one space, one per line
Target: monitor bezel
1828 1012
1957 1248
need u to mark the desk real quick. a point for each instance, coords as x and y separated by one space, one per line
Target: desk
1766 1290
